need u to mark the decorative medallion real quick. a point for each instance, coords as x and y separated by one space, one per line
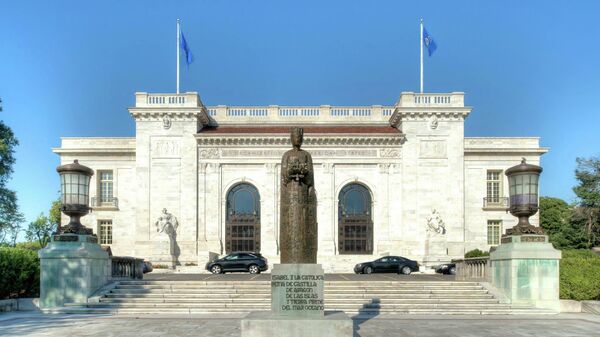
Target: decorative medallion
433 123
166 122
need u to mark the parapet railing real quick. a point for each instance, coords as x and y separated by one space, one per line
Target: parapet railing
473 269
125 267
279 112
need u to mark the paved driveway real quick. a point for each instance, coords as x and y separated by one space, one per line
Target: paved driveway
267 277
38 325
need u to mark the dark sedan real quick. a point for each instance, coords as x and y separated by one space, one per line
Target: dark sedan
388 264
446 268
253 263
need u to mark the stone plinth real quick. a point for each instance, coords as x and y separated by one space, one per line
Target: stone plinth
266 324
297 290
297 306
72 267
525 268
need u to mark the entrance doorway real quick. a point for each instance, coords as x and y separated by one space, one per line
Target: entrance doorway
242 225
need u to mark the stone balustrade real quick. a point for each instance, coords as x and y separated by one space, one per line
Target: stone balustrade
125 267
186 100
473 269
322 113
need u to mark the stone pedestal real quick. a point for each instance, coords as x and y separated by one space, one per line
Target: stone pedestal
525 268
72 267
297 306
266 324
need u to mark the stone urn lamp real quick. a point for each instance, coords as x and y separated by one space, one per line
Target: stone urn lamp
523 191
74 189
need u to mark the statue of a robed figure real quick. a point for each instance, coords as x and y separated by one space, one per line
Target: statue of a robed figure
298 212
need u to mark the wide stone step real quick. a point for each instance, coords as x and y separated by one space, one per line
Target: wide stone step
226 297
328 305
351 312
331 287
331 300
326 291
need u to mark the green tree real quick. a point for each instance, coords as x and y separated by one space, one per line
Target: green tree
10 217
40 230
54 213
556 218
588 197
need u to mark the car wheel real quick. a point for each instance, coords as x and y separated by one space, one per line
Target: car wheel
452 271
253 269
216 269
405 270
367 270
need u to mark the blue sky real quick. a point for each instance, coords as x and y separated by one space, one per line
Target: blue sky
70 68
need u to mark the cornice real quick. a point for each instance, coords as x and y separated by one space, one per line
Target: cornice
312 140
501 151
421 114
195 114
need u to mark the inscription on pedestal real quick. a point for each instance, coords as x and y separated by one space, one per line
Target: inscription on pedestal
297 290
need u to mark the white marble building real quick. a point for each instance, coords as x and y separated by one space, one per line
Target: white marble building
398 180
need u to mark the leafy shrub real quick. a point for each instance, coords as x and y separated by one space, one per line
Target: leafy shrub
476 253
160 266
19 273
579 275
31 245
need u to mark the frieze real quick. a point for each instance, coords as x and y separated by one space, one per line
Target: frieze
165 148
209 153
389 153
315 153
432 149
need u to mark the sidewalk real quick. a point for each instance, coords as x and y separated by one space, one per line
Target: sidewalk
36 324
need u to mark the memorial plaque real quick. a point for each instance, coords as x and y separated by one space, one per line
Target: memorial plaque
297 290
66 238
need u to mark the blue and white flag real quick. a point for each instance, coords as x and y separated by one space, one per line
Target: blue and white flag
189 57
428 42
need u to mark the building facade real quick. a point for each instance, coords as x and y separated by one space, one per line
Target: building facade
398 180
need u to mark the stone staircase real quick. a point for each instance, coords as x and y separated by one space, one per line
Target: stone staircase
353 297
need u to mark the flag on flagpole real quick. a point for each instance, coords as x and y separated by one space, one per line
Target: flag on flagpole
428 42
189 57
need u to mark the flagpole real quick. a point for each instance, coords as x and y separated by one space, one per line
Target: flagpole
178 56
421 44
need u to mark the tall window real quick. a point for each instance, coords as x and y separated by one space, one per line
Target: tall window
242 229
494 186
494 230
105 230
105 187
355 224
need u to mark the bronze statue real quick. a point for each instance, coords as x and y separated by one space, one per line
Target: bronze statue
298 212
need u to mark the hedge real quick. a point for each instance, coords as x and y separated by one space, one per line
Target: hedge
19 273
476 253
579 275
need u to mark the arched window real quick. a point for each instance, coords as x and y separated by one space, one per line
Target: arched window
242 223
355 222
